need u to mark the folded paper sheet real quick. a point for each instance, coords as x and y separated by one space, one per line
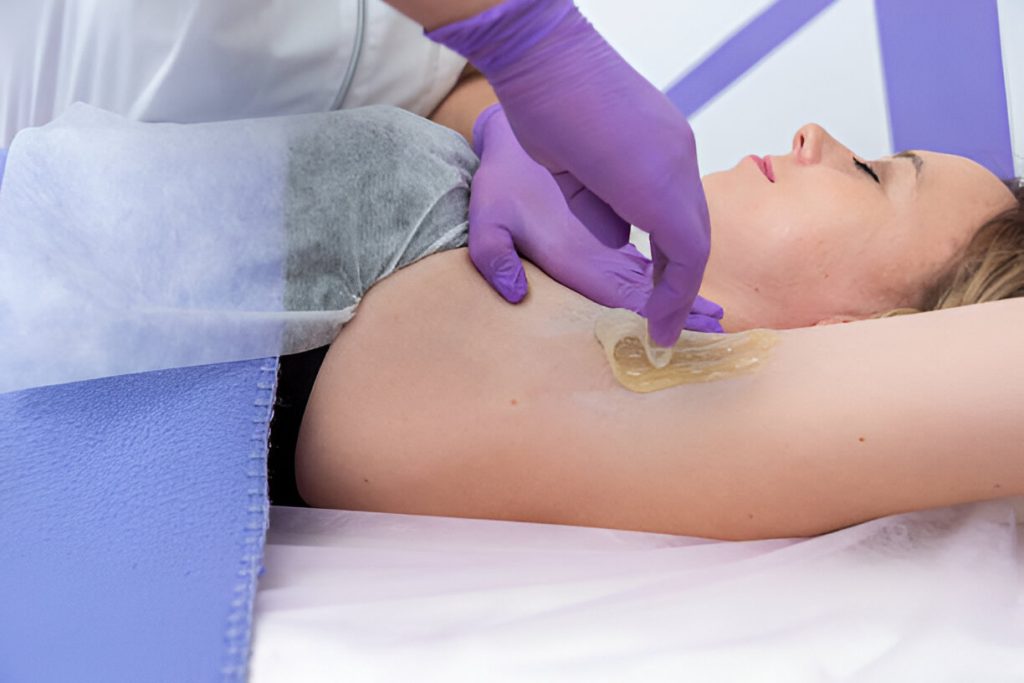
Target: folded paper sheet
128 247
150 274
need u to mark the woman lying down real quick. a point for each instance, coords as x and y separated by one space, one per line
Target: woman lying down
440 398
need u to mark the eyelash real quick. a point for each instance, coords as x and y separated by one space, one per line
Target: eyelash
867 169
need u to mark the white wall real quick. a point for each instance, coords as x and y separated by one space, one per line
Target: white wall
829 72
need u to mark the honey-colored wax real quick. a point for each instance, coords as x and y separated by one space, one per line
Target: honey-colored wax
696 357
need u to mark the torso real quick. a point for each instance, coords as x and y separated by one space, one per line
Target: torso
436 364
441 398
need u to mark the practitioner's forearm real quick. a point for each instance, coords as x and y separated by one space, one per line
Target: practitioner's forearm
464 103
431 14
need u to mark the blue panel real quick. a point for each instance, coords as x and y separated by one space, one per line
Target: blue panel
742 51
133 511
944 79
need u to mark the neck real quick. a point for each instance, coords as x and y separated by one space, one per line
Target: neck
741 306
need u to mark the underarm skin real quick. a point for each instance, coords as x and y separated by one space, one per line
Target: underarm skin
442 399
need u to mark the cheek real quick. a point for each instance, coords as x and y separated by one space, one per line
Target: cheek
776 221
743 218
798 235
902 272
813 263
832 239
790 244
866 272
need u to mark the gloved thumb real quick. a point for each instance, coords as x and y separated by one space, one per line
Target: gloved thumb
494 254
629 279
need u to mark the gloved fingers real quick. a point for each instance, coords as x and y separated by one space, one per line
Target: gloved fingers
617 278
623 277
494 254
706 307
626 283
670 303
705 315
696 322
593 212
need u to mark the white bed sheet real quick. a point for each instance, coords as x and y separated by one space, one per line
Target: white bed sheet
934 595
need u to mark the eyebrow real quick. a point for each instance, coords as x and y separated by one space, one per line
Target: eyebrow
918 161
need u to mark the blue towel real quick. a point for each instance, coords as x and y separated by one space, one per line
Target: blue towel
132 516
129 247
133 503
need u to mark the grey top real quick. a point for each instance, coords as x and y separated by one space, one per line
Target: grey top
370 191
131 247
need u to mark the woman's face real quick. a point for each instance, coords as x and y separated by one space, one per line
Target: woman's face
822 241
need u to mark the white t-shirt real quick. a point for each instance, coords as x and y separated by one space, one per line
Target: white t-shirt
209 60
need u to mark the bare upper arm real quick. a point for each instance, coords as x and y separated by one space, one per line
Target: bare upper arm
441 399
852 422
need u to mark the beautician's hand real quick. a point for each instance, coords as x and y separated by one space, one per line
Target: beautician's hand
579 109
516 207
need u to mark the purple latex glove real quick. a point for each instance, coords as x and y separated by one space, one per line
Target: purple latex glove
580 110
516 204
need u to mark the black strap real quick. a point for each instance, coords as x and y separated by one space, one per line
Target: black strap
294 385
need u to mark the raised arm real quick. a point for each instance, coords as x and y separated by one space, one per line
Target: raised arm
852 422
842 424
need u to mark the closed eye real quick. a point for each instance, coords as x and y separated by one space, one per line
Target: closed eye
867 169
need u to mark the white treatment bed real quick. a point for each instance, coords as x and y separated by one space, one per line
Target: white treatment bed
934 595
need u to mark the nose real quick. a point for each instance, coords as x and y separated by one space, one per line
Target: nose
809 143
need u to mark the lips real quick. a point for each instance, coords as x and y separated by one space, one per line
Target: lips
765 166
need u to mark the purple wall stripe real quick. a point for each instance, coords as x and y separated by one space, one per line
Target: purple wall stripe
944 79
741 51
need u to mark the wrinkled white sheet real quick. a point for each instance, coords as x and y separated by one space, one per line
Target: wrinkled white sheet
934 595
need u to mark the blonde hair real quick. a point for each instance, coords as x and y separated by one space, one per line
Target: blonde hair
990 267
